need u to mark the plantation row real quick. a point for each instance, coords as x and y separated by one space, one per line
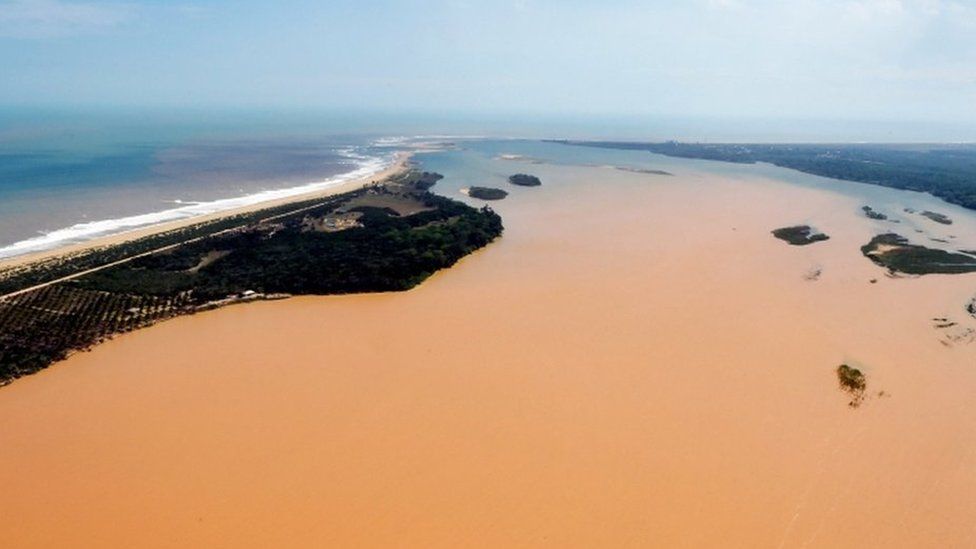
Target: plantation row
43 326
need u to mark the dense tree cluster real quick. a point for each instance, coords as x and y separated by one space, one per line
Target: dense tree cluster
386 253
800 235
426 180
487 193
895 253
853 382
524 180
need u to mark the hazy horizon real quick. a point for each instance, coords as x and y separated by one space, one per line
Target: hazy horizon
23 125
850 70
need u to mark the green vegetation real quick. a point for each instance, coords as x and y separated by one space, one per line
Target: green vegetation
26 276
800 235
302 251
895 253
426 180
385 253
937 217
486 193
873 214
41 327
946 171
853 382
524 180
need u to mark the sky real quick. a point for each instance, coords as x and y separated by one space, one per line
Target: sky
895 60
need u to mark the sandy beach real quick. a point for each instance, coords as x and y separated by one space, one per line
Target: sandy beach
399 164
636 362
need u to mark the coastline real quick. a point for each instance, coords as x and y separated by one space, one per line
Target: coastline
386 236
385 419
399 165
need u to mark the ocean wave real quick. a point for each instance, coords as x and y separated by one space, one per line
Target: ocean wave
82 232
395 141
401 141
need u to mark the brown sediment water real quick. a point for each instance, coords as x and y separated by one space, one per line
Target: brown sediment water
637 362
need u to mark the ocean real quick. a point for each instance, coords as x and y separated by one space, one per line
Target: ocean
70 178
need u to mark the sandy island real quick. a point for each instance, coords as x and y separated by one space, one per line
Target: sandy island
637 362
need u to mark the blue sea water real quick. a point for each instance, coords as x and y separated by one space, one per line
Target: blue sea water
69 178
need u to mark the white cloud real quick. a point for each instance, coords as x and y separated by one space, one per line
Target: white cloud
725 4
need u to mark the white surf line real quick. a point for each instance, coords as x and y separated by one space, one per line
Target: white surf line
82 232
153 251
157 250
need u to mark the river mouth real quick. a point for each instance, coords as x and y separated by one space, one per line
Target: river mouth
635 361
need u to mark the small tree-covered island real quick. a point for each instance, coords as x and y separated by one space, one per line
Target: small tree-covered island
898 255
486 193
799 235
389 236
853 382
524 180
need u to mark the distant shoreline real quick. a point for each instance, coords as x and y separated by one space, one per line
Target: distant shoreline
942 170
399 165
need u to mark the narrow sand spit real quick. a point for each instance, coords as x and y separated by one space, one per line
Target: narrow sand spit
637 362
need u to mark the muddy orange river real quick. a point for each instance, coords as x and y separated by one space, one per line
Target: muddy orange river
637 362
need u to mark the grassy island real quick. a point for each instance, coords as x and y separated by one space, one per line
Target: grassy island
799 235
386 237
895 253
486 193
524 180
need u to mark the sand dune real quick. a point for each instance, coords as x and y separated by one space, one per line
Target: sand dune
637 362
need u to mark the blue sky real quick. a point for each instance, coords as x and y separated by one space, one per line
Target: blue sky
836 59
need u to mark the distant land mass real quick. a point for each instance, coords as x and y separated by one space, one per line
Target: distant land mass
947 171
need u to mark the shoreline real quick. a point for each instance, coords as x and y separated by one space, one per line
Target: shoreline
624 390
299 248
401 162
